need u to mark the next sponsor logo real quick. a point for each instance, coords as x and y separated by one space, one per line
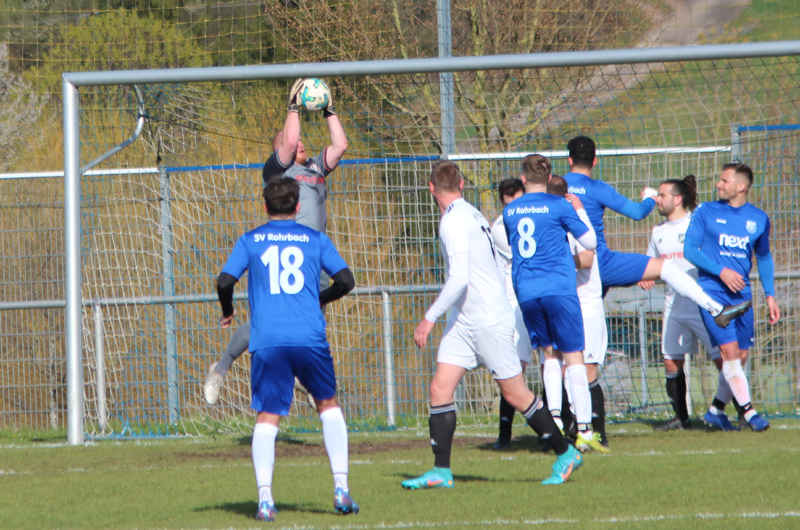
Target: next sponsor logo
733 241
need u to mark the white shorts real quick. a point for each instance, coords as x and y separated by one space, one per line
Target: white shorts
680 336
596 337
493 347
522 339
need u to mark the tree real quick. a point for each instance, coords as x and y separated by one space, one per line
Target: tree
118 40
497 108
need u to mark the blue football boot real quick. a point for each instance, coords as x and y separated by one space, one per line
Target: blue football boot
718 421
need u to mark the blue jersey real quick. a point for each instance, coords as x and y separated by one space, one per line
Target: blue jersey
728 237
541 263
283 260
596 196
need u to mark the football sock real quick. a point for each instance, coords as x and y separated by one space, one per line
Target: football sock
676 391
507 412
236 347
264 436
683 409
737 380
598 409
581 398
541 421
551 375
442 425
739 409
334 434
567 416
686 286
724 394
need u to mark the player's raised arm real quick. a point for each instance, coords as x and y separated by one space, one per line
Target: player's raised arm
766 273
611 198
335 151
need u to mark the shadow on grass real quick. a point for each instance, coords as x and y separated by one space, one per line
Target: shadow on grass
283 439
525 442
249 508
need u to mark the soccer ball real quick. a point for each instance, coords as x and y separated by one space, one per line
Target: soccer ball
314 94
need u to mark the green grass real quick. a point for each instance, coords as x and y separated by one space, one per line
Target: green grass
694 479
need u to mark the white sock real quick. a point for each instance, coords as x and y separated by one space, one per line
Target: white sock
264 436
334 432
724 393
737 380
581 398
551 375
686 286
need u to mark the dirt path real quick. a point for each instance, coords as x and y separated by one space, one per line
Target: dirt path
682 26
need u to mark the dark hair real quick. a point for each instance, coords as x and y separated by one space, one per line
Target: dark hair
582 151
741 169
281 195
687 189
509 188
536 169
557 186
446 176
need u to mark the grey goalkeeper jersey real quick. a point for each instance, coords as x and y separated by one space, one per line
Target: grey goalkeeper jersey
313 190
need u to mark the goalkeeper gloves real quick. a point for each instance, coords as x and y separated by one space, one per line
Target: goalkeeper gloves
294 93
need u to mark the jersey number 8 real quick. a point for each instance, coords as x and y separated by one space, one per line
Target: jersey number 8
290 280
526 245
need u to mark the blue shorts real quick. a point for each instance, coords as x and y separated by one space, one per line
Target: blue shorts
555 321
741 329
618 269
274 369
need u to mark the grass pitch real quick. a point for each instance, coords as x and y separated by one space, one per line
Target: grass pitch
694 479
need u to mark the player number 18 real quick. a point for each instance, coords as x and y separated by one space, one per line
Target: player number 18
290 279
526 245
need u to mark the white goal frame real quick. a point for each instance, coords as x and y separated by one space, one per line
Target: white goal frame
72 81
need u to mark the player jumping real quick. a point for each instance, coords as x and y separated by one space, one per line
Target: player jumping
721 241
618 268
289 159
287 332
480 329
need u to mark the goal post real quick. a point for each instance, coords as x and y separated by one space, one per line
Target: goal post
404 180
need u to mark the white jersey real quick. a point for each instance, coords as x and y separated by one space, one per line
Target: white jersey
464 232
590 288
502 255
667 243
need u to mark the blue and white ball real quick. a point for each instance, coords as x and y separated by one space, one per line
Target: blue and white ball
314 94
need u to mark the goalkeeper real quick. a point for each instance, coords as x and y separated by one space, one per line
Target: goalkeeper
290 159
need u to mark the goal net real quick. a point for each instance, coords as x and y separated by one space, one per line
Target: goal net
157 230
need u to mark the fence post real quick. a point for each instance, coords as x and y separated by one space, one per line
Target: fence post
388 356
446 85
165 201
736 144
643 354
100 368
